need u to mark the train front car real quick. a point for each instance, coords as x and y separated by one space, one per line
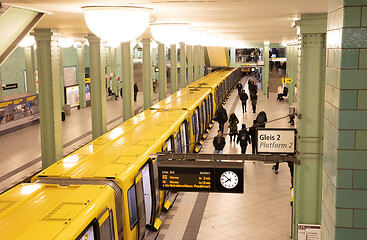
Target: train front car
49 211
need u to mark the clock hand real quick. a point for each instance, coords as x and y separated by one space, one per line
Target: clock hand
228 179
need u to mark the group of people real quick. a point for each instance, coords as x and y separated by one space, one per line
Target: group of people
244 136
244 97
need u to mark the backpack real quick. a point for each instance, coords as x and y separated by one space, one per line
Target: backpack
243 96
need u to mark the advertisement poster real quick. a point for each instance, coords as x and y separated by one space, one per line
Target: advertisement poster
18 111
70 76
87 89
72 96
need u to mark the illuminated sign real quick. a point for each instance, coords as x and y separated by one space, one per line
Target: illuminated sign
276 140
286 80
194 176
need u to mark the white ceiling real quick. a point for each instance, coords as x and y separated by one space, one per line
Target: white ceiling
252 21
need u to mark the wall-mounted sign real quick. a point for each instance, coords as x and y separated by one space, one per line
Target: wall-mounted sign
87 80
72 95
10 86
286 80
191 176
309 232
70 76
276 140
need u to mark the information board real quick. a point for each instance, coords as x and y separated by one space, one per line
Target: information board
309 232
203 176
70 76
276 140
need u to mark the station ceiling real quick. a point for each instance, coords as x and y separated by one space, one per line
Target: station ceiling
252 21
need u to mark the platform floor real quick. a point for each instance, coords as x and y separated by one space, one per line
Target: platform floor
263 212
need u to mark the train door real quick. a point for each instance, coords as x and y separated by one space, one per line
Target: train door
140 204
205 123
148 194
210 107
184 137
106 225
155 183
197 124
200 110
178 143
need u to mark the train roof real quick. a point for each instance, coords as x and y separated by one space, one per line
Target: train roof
213 79
102 159
43 211
188 99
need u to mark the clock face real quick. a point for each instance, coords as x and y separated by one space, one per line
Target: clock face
229 179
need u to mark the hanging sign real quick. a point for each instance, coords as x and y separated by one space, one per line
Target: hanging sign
276 140
286 80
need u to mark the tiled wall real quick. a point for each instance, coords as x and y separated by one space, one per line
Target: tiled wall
345 145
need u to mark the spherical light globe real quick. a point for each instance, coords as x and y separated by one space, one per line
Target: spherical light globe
117 23
169 33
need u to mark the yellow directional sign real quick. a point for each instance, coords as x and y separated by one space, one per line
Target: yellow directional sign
286 80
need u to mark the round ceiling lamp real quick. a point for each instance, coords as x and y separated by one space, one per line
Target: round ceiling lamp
117 23
27 41
65 42
169 33
195 38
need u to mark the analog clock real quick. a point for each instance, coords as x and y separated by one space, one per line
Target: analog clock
229 179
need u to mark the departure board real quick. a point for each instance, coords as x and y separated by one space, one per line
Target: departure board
192 176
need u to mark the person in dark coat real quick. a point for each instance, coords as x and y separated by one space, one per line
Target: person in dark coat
243 138
239 88
221 117
243 98
219 142
261 119
253 98
233 121
252 132
136 90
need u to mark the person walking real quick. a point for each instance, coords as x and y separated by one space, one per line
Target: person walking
243 98
219 142
136 90
221 117
261 119
243 138
239 87
253 98
252 132
233 121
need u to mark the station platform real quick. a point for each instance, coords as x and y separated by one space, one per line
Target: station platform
263 212
20 151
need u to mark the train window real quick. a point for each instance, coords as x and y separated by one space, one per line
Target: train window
202 119
197 122
133 208
155 175
148 195
106 228
193 119
205 114
90 232
178 143
183 136
211 106
188 136
141 205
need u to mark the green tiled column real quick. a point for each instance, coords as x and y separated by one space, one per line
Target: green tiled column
1 89
147 74
113 70
97 84
265 75
201 62
173 70
344 190
81 75
195 57
162 72
233 57
182 65
292 50
154 62
127 81
49 97
310 124
190 64
30 70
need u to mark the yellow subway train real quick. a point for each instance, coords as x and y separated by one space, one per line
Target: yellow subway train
108 189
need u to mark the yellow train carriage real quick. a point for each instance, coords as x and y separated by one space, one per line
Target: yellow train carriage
126 164
44 211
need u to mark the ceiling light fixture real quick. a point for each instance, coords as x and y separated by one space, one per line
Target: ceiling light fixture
169 33
65 42
117 23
